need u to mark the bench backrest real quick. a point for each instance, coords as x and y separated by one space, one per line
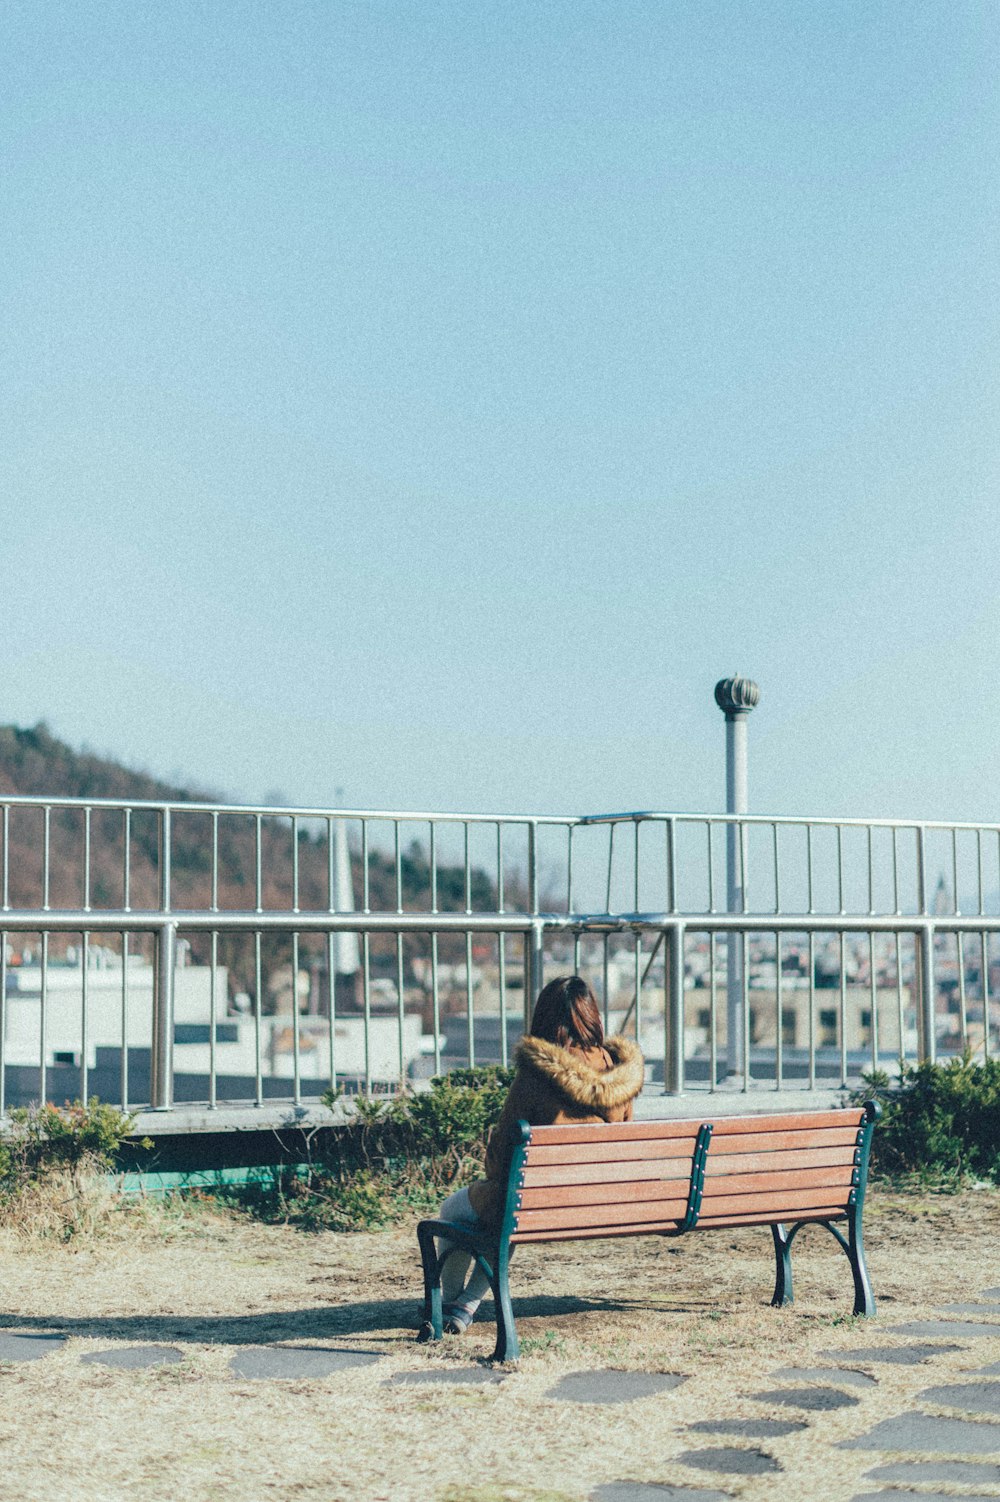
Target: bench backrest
623 1179
761 1169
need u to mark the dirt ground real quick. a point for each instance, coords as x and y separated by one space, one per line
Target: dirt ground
697 1306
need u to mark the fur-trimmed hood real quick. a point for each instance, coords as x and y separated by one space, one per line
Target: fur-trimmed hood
587 1089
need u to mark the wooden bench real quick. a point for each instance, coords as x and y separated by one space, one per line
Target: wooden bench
668 1178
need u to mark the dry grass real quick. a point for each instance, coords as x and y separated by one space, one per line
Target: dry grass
210 1285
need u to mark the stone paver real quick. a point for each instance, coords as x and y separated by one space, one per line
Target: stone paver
993 1370
647 1491
924 1496
988 1311
813 1399
990 1293
456 1374
971 1397
842 1375
135 1358
964 1329
730 1461
748 1428
611 1386
964 1472
920 1434
895 1355
28 1347
288 1362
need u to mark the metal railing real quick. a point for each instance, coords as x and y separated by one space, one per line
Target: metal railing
366 947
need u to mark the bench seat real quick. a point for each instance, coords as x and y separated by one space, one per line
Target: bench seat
669 1178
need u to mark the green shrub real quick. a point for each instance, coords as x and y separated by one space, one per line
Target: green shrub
73 1139
940 1124
396 1155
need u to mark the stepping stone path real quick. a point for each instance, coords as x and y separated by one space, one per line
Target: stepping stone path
452 1374
748 1428
645 1491
895 1355
611 1386
966 1329
971 1397
920 1432
28 1347
290 1362
135 1358
826 1374
731 1461
813 1399
964 1472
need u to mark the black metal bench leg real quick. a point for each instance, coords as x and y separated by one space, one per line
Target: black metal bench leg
432 1282
783 1266
864 1299
507 1346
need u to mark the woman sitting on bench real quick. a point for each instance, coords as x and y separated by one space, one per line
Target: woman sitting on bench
567 1071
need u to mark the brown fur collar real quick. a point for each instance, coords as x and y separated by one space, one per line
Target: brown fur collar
569 1072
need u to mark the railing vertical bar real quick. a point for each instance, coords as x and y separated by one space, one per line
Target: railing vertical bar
843 1011
611 855
928 995
747 1029
871 874
400 1009
636 825
809 870
502 978
166 859
331 873
872 981
331 1031
213 1025
296 1038
900 1017
840 869
258 864
533 868
6 857
468 867
709 827
638 984
812 1010
215 860
673 1001
963 1020
470 1020
921 853
295 863
86 864
743 831
576 953
895 870
436 1003
500 878
606 978
672 867
366 972
954 871
569 868
986 997
127 862
125 1000
775 855
46 852
779 1035
713 1013
84 1011
257 1010
979 873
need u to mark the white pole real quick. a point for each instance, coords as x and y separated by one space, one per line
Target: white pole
736 697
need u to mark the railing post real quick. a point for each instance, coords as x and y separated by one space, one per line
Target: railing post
673 1049
926 998
736 697
534 969
161 1068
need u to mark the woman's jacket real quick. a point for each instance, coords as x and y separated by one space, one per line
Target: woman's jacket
554 1084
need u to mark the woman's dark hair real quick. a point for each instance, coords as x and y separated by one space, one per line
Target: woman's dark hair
566 1013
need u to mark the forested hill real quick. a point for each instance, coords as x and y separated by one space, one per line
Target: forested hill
33 762
36 764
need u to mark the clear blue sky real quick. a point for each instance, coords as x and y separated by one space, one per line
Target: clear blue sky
434 399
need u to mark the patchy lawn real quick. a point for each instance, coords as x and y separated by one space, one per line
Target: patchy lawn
697 1306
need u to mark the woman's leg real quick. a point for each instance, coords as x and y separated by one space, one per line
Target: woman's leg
461 1294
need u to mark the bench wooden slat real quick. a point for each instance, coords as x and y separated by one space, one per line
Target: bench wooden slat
634 1214
725 1126
614 1131
773 1183
779 1205
759 1218
616 1172
592 1233
605 1194
820 1157
802 1139
617 1152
